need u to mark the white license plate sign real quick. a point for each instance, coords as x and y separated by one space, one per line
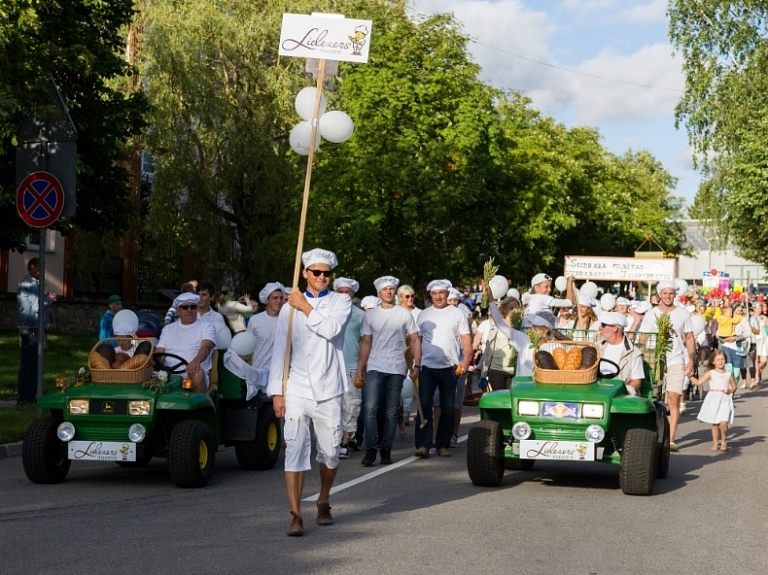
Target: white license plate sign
557 450
102 451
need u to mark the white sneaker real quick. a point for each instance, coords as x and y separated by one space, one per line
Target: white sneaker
743 386
343 452
682 407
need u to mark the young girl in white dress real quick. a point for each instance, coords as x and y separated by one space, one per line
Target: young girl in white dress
717 408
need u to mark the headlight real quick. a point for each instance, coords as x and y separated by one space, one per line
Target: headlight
138 407
65 431
521 430
528 408
78 406
594 433
137 432
593 410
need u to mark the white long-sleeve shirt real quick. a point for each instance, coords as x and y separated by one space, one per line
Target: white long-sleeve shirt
316 368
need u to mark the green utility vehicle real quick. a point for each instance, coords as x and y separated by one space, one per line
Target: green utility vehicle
130 423
595 421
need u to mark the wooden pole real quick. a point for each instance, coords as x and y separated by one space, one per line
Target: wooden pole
303 220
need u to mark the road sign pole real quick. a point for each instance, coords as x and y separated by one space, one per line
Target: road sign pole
41 296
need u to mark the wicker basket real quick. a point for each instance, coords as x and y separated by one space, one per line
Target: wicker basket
136 375
566 376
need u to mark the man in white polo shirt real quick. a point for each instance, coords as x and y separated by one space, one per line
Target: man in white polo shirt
387 329
316 382
444 333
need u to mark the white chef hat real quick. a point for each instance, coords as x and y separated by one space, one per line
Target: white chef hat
370 302
319 256
439 285
268 289
345 283
385 281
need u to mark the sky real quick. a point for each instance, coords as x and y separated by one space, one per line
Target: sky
607 64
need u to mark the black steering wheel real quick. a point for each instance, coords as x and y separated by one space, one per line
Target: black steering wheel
608 374
175 369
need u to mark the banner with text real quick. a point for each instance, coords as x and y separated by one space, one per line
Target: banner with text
619 269
330 37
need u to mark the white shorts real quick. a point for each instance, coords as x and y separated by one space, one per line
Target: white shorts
326 420
350 407
675 378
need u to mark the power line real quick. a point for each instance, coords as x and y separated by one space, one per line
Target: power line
576 71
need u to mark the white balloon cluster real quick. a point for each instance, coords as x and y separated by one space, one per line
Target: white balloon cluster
334 126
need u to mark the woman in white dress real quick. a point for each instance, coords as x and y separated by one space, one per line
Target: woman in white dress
717 408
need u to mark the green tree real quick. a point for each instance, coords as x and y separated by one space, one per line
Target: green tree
80 44
725 55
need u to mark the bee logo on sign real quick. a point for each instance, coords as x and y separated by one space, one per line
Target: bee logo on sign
40 199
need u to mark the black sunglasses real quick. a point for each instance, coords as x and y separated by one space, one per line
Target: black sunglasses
316 273
188 307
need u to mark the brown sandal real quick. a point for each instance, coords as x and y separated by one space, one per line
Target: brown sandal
723 446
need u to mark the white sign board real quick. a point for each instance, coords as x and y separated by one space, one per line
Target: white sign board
325 36
619 269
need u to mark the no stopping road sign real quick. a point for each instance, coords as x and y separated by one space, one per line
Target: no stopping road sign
40 199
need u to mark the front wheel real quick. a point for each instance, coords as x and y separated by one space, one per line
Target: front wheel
42 455
485 454
262 452
637 474
191 454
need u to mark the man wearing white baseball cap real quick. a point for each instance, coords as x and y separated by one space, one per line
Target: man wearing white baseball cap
616 347
316 382
387 331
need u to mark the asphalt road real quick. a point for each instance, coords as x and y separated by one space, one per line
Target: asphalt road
415 517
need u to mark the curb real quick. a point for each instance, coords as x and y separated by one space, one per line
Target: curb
8 450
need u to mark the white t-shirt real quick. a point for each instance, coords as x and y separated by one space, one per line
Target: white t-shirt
263 326
612 352
184 341
212 316
388 328
681 324
441 331
542 302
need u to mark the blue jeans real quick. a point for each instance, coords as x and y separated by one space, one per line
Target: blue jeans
444 380
734 359
381 389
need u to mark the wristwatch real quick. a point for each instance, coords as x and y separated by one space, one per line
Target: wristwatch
417 365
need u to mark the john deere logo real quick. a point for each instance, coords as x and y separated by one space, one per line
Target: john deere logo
108 407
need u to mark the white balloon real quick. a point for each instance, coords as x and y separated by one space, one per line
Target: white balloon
499 286
126 316
608 301
407 391
336 127
223 336
682 287
305 104
244 343
561 283
299 138
698 324
512 292
589 289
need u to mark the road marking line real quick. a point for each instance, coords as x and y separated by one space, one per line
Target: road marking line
373 474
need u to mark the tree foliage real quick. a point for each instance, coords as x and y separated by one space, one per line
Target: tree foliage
441 173
81 45
724 45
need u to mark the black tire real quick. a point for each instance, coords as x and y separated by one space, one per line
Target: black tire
637 473
191 454
43 456
519 464
263 451
662 455
485 454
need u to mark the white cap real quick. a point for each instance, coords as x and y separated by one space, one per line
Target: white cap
370 302
124 329
439 285
542 318
268 289
588 301
622 301
539 278
512 292
319 256
385 281
613 318
186 297
666 284
345 283
453 293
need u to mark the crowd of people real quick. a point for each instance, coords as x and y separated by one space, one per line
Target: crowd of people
335 364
